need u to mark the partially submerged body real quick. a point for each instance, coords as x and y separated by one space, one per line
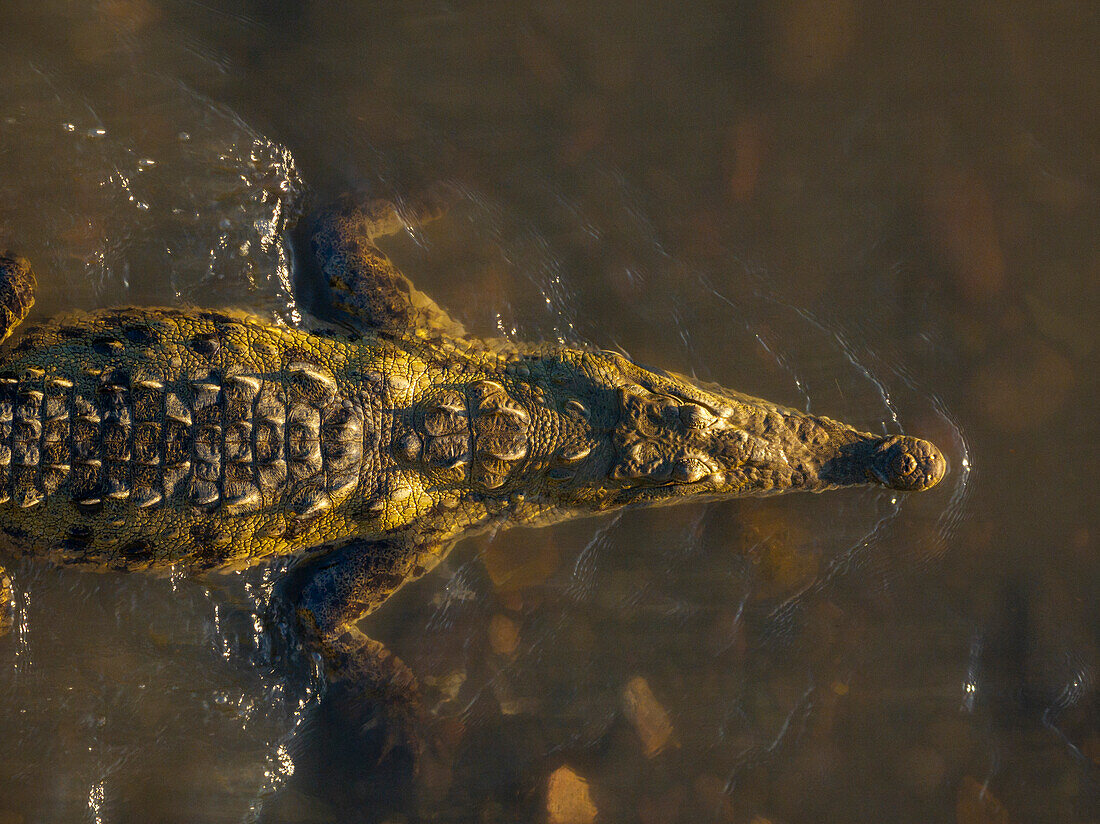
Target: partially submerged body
140 439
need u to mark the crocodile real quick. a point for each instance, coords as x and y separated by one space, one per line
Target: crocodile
161 439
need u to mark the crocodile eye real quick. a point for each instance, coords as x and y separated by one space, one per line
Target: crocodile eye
694 416
689 471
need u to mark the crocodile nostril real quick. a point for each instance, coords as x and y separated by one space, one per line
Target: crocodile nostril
903 465
908 463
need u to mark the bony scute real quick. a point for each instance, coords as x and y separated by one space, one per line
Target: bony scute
367 455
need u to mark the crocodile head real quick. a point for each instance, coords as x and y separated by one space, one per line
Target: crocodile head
652 437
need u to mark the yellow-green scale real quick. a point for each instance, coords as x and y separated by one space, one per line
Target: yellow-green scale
85 348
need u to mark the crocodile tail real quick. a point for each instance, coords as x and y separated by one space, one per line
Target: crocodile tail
17 288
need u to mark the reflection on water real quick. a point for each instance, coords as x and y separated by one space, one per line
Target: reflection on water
125 233
882 215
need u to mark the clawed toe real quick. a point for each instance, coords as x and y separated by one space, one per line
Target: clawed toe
381 732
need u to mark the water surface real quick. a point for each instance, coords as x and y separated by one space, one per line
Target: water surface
888 216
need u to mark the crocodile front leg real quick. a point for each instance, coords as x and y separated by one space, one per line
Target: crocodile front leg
370 689
363 282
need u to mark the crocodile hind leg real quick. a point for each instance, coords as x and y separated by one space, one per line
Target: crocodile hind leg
362 750
7 603
370 690
17 288
363 283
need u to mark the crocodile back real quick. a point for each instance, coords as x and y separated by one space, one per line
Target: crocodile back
151 438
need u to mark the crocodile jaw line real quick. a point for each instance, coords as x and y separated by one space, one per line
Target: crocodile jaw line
672 438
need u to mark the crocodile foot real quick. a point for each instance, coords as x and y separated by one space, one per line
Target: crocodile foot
360 752
374 699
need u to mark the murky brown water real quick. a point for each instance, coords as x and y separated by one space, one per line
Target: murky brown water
888 215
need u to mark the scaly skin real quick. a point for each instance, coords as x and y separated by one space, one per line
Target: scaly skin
441 437
157 439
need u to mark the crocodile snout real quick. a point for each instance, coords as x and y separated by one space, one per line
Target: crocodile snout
907 463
